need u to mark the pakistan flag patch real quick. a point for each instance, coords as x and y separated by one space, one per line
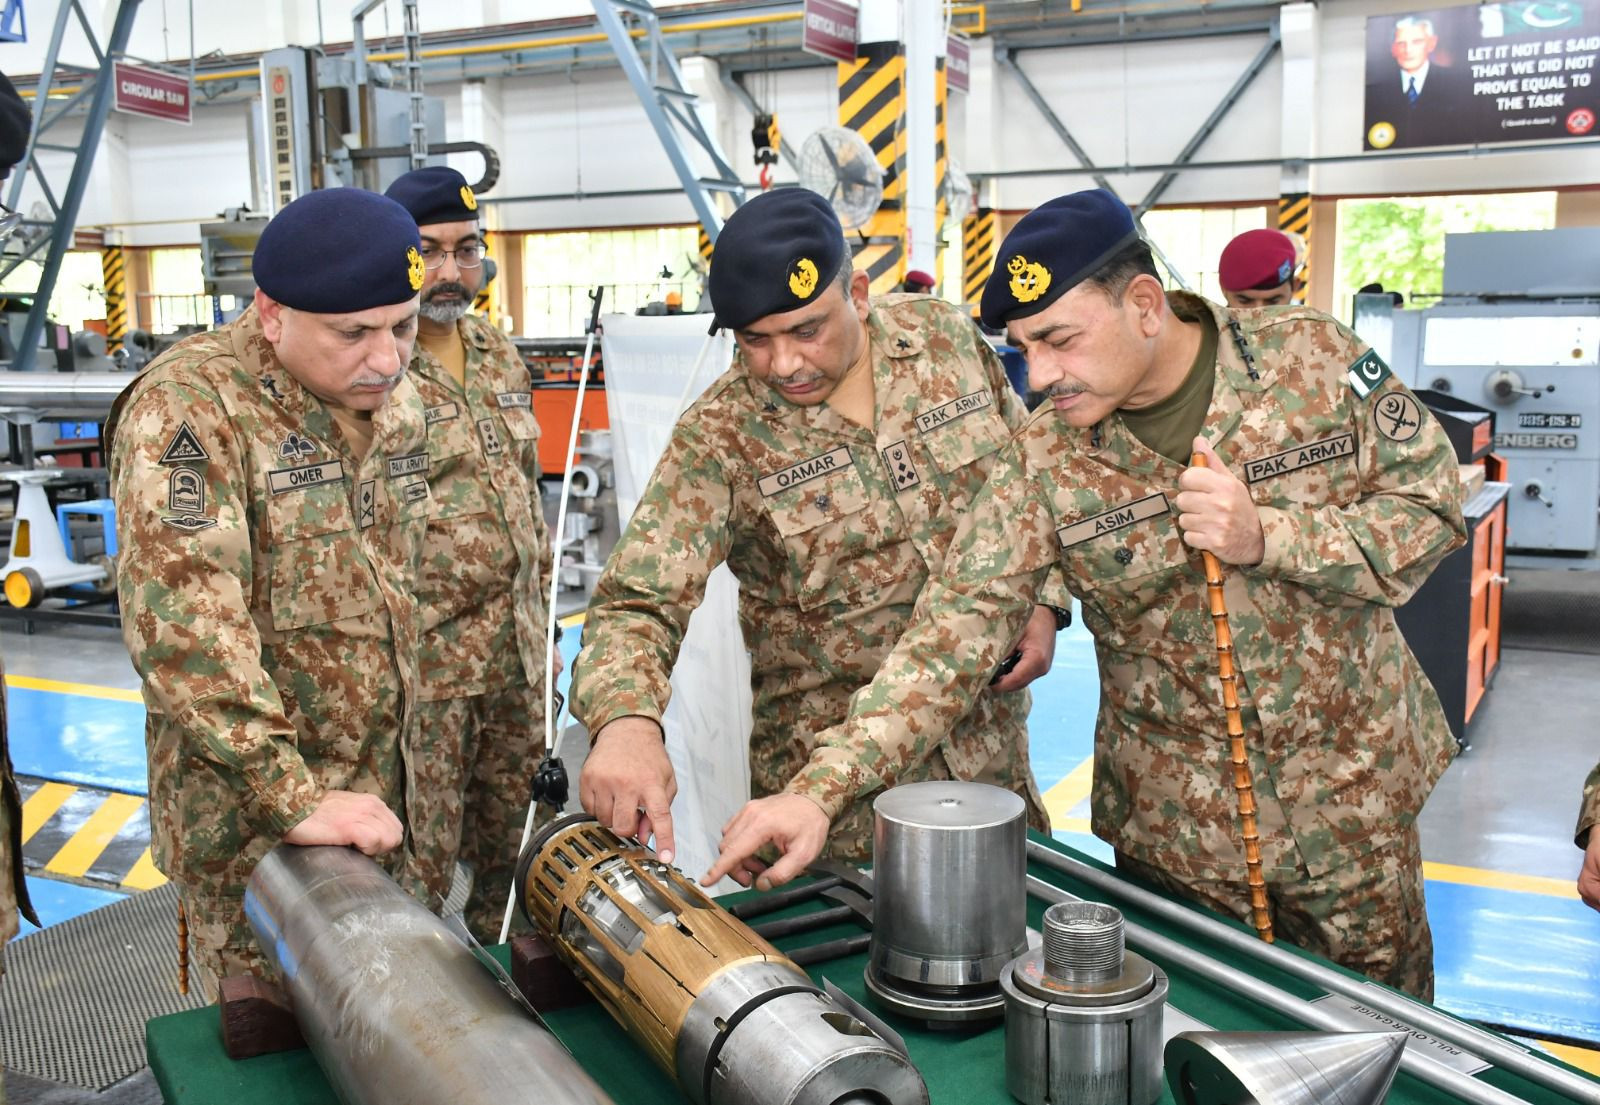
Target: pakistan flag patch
1367 373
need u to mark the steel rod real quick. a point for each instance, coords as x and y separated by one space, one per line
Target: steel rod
1501 1053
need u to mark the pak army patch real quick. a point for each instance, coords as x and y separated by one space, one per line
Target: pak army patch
1367 373
1399 417
184 448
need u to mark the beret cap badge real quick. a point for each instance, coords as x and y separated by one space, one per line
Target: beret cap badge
803 278
415 271
468 198
1029 279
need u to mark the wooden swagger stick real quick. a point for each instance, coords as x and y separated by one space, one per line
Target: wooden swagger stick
1242 783
183 949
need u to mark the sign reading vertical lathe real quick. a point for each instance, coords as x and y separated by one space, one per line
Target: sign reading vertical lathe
829 29
152 92
958 63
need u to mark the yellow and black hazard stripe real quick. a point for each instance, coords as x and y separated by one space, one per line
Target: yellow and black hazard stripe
705 246
941 165
113 266
978 243
81 834
872 103
1294 217
482 301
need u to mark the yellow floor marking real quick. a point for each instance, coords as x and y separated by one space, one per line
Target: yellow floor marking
570 620
78 854
42 805
87 690
144 875
1580 1057
1060 799
1501 880
1070 825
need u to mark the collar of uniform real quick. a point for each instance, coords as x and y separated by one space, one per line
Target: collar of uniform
256 355
476 331
888 334
1237 352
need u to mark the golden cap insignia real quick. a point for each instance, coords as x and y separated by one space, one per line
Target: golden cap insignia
803 278
414 270
1029 279
468 198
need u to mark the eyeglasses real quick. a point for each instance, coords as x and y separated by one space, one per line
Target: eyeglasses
468 255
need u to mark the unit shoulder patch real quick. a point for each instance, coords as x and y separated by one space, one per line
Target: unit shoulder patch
184 448
1367 372
1399 416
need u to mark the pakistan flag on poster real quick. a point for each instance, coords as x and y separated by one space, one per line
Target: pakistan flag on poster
1508 72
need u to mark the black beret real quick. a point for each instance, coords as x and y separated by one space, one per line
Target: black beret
340 250
1051 250
16 121
437 194
774 254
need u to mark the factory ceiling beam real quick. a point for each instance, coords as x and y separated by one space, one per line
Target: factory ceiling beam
1007 61
1251 72
673 110
55 237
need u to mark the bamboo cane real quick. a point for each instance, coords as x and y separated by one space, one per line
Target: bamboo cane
1242 783
183 949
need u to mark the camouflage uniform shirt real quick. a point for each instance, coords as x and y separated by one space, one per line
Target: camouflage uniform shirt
13 886
1589 812
831 529
1358 498
486 560
266 580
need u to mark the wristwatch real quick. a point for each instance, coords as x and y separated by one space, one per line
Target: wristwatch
1063 616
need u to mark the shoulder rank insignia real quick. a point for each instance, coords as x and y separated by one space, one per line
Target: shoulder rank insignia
1367 373
184 448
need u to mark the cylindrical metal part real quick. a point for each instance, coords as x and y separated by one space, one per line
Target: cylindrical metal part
1083 1017
69 392
393 1005
1463 1087
950 904
1414 1013
725 1013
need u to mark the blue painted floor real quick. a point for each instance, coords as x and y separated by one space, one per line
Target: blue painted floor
1525 959
57 901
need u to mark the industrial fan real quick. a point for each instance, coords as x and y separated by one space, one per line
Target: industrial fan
837 164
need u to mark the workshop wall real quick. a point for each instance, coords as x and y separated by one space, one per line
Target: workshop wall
1126 104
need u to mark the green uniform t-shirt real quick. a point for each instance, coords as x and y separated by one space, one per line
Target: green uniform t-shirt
1170 426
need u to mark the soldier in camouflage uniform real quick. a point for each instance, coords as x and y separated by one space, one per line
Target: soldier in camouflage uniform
15 122
13 886
485 568
828 468
1587 839
271 489
1330 495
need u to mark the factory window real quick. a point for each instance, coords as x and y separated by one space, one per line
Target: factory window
637 267
79 292
1399 241
177 298
1192 239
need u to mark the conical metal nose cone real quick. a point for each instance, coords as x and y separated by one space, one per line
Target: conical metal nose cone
1283 1068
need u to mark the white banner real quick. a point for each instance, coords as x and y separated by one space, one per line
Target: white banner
651 375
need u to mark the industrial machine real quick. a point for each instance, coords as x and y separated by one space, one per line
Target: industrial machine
397 1009
721 1010
1517 330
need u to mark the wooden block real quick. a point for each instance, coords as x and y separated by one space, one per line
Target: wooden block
541 976
256 1018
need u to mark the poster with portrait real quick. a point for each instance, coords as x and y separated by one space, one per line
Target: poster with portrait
1518 71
